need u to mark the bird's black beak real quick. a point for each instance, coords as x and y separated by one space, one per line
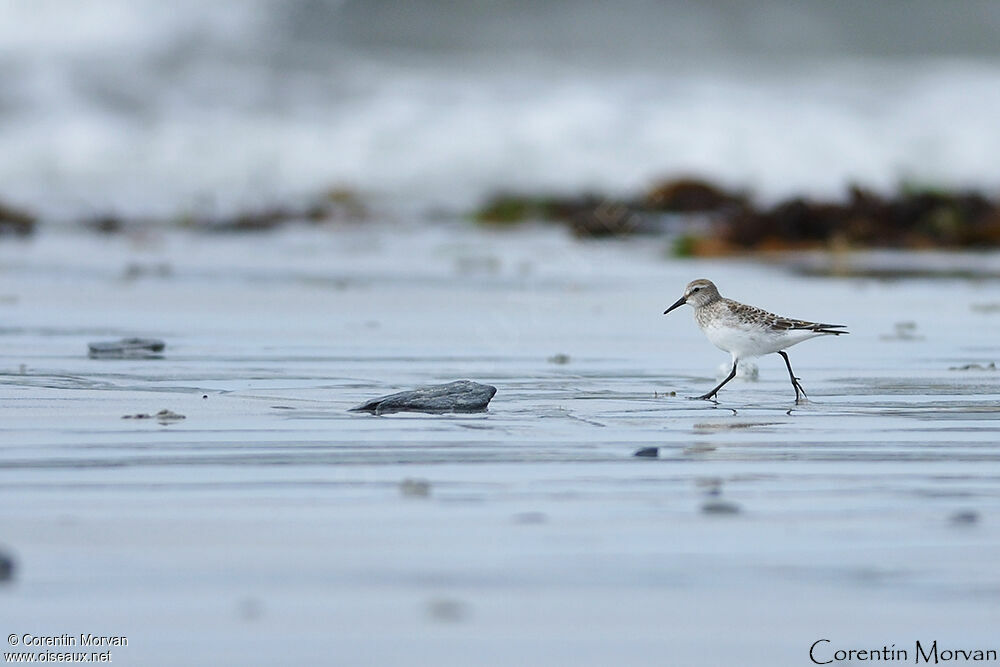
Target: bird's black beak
680 302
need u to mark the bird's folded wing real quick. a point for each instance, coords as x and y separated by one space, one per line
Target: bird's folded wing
786 324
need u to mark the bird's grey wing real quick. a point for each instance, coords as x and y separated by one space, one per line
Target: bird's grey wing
789 324
753 314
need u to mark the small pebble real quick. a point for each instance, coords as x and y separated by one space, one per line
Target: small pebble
903 331
720 508
447 610
965 518
127 348
136 270
250 609
647 452
415 488
992 366
163 416
6 567
711 485
559 359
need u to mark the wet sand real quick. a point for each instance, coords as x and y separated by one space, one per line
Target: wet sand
271 525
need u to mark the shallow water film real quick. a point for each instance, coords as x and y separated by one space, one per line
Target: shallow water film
255 519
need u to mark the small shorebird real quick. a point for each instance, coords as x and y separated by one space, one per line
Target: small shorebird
746 331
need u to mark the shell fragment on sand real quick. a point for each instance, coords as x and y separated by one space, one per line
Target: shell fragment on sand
458 396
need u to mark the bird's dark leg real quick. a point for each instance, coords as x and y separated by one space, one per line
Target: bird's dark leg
709 395
795 381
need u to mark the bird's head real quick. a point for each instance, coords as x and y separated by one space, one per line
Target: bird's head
698 293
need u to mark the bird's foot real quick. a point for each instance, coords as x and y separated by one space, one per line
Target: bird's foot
800 393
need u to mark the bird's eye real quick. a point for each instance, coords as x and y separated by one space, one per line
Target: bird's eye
695 290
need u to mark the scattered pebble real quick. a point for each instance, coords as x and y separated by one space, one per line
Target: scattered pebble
965 518
993 307
472 265
163 416
447 610
560 359
714 427
415 488
127 348
530 517
250 609
711 485
720 508
992 366
135 270
903 331
6 567
458 396
647 453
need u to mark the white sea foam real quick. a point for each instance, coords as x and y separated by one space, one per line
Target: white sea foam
135 109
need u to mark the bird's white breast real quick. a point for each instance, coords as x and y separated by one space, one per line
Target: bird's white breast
746 341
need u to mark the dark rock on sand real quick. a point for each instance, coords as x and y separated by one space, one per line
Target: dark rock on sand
127 348
458 396
647 453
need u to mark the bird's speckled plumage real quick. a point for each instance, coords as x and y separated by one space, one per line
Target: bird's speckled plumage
747 331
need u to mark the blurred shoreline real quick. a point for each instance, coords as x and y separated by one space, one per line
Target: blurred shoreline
694 217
